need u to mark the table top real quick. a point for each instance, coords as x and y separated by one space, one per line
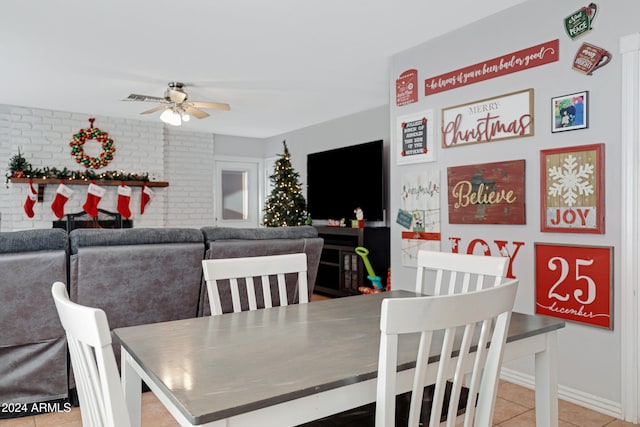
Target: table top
219 366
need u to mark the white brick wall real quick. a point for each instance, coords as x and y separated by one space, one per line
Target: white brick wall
184 159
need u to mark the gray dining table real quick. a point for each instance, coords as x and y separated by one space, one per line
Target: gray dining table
284 366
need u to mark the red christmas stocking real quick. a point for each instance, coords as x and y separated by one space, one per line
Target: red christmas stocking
124 197
32 198
94 195
63 193
146 196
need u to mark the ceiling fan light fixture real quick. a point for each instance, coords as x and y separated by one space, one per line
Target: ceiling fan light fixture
171 117
185 117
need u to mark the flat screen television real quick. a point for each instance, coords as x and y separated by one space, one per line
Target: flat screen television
346 178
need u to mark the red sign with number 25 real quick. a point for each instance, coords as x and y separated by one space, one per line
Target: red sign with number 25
575 283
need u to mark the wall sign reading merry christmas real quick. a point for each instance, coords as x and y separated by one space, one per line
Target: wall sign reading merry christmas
575 283
572 189
490 193
493 119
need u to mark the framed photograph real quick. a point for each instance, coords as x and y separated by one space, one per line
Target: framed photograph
572 189
575 283
415 140
570 112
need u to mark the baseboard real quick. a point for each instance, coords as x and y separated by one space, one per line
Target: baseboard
568 394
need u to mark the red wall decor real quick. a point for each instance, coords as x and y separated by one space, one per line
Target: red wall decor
572 189
575 283
493 119
489 193
530 57
482 247
407 88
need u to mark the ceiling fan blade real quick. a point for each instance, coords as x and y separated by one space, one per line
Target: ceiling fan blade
212 105
153 110
177 96
192 111
146 98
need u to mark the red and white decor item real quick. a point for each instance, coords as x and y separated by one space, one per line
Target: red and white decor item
124 198
407 88
63 194
524 59
145 197
94 195
572 189
575 283
32 198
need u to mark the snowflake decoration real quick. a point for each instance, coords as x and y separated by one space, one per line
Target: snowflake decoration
571 180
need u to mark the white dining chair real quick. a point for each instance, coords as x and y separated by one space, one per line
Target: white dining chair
477 318
94 366
253 276
444 273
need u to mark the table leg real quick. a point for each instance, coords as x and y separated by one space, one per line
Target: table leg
546 366
132 387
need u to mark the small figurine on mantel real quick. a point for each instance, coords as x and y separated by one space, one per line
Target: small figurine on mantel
359 221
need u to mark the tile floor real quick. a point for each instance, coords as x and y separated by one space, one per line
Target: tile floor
514 408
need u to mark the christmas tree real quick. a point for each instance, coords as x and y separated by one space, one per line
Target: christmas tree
286 205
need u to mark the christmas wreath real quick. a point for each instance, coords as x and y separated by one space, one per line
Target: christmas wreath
77 147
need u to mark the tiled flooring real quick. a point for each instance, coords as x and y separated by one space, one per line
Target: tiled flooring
514 408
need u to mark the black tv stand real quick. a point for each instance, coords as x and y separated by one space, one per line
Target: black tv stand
341 270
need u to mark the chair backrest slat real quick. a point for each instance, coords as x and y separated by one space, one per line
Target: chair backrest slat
443 322
256 273
457 273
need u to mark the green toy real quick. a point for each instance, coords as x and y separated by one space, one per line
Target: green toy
363 252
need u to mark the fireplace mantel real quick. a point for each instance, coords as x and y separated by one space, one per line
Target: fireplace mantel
43 182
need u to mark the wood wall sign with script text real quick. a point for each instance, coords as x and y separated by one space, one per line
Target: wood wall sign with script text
492 119
524 59
572 189
575 283
489 193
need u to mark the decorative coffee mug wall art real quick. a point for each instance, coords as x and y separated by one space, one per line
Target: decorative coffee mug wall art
589 58
579 23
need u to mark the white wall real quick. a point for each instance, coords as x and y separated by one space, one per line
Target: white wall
589 359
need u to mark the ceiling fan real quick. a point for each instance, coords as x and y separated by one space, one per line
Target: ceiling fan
176 108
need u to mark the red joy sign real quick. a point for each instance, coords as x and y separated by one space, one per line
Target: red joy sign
510 63
575 283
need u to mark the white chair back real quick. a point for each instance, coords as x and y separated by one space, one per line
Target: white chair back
473 319
255 273
100 394
442 273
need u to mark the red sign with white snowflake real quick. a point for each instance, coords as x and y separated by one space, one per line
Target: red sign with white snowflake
572 189
575 283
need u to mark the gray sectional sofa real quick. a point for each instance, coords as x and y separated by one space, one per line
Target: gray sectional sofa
137 275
